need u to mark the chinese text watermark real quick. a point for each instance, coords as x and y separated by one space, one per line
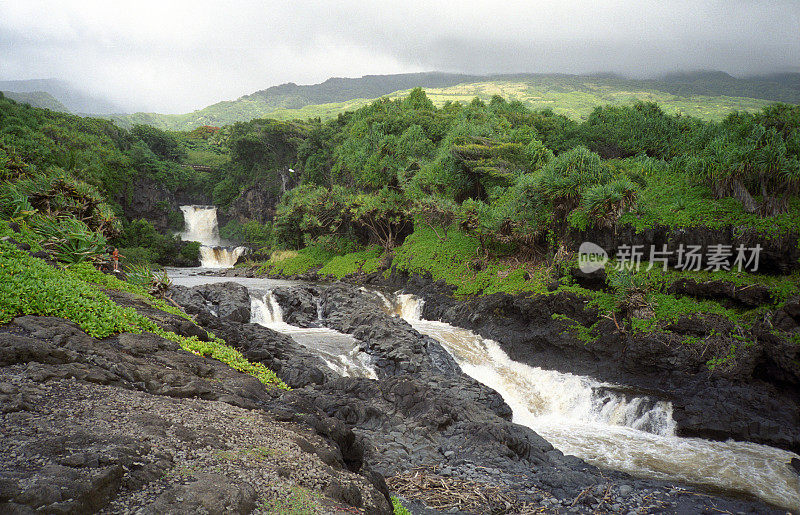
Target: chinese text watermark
592 257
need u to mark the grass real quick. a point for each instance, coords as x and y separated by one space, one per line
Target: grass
365 261
300 501
287 263
455 260
574 97
29 286
577 97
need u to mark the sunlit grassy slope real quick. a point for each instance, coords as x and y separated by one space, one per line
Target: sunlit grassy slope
577 98
574 96
570 98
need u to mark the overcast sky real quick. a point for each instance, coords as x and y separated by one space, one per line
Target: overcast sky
175 56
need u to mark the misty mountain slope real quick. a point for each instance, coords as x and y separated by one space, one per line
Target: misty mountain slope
707 95
71 97
39 99
338 89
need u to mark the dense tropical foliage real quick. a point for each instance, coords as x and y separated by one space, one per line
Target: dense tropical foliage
486 196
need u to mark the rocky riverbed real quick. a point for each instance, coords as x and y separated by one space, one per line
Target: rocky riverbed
131 423
753 400
423 411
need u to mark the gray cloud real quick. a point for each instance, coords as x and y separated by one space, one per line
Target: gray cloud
174 56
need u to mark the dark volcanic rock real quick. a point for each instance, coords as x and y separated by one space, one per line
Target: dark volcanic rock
301 305
229 301
749 296
258 201
424 412
151 201
209 304
130 423
778 255
211 493
157 204
753 399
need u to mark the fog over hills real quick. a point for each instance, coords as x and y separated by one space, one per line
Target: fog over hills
687 92
71 98
180 56
691 93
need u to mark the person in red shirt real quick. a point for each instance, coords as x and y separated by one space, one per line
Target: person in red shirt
115 259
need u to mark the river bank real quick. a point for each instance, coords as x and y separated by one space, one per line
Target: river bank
220 442
352 399
752 400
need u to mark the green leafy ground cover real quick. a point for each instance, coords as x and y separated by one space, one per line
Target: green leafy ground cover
29 286
365 262
452 256
398 507
292 263
674 199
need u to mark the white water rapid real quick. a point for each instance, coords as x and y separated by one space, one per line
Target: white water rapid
202 226
582 417
338 350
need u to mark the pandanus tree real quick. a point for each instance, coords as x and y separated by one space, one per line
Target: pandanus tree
754 156
385 214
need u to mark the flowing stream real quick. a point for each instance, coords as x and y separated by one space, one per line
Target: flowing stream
578 415
589 419
338 350
201 226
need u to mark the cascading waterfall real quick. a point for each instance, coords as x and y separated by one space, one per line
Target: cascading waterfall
202 226
220 257
339 351
591 420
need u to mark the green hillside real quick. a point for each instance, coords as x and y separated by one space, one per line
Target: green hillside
707 95
40 99
70 97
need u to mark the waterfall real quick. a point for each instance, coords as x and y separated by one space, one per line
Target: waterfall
220 257
598 423
202 226
341 352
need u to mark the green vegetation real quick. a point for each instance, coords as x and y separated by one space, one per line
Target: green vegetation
490 197
39 99
42 156
29 286
140 243
479 191
398 508
365 262
456 260
251 233
81 154
706 95
287 263
301 501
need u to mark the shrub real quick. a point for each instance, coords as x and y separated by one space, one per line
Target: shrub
28 286
70 240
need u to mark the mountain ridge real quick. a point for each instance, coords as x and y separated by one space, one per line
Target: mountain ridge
705 94
41 99
74 100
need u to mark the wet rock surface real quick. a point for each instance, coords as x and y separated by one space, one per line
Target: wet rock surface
132 423
220 308
424 412
754 400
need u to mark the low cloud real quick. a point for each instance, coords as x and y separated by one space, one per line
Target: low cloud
179 56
